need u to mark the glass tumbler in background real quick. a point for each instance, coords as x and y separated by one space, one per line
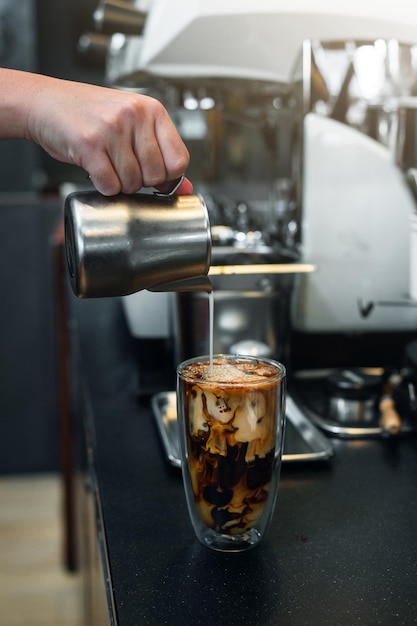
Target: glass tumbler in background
231 420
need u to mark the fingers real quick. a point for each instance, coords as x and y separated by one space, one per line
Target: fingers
110 185
159 149
103 175
106 180
125 142
144 149
174 153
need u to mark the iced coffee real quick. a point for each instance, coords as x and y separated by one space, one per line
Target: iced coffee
231 416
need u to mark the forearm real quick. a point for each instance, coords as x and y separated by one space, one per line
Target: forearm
17 92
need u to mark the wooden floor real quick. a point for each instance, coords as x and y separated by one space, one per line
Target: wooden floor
35 590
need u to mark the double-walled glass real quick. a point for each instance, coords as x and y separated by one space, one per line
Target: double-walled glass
231 416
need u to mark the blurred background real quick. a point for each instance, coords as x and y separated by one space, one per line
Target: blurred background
40 36
37 586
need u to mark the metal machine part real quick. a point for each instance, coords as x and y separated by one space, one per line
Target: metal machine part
251 307
244 109
177 36
353 394
119 16
346 402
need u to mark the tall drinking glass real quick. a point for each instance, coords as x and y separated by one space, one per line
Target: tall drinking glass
231 416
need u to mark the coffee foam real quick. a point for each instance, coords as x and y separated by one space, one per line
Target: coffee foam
239 371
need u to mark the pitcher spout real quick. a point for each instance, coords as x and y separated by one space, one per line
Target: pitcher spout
199 283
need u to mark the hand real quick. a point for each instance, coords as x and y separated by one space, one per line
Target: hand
123 140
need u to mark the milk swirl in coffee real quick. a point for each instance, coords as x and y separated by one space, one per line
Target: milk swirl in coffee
230 409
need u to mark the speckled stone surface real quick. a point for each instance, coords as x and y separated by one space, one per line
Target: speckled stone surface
341 550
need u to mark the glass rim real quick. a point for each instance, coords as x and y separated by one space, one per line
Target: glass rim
280 367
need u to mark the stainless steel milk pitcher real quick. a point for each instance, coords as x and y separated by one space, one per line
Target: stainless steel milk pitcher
120 245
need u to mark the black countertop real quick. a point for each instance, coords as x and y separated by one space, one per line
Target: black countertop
341 549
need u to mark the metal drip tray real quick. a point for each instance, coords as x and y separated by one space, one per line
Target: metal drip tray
303 441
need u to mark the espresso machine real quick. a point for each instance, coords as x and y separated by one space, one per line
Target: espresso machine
295 121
